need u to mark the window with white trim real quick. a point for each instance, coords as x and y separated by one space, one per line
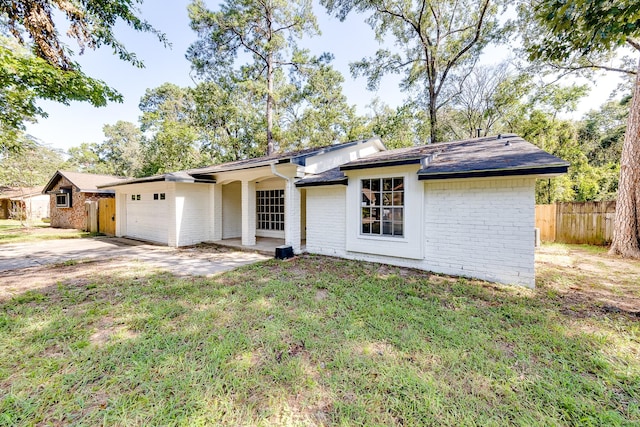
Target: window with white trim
382 207
62 200
270 209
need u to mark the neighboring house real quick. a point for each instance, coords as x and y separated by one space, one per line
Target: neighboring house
29 203
68 193
462 208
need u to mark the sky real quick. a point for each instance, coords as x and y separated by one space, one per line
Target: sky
351 40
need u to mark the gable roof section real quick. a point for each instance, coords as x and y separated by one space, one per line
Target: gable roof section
181 176
18 193
296 157
204 174
330 177
501 155
84 182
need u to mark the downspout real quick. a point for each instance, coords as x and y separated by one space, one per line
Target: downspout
278 174
290 184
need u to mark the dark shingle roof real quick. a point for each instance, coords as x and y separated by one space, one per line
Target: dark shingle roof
500 155
490 156
330 177
85 182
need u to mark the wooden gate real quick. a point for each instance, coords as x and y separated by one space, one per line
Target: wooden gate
107 216
546 222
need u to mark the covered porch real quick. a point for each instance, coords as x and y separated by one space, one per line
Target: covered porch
257 209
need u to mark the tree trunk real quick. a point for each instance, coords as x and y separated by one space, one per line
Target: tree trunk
269 106
433 116
626 237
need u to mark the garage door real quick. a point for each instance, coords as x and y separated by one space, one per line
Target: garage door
147 215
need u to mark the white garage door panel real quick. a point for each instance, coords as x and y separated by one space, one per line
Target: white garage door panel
147 218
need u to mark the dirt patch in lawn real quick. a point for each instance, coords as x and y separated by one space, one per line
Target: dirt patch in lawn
16 282
587 279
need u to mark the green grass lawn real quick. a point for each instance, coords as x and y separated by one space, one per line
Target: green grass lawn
313 341
13 231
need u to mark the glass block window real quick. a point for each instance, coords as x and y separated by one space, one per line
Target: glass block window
270 209
382 207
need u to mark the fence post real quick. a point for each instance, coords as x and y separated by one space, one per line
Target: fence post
91 210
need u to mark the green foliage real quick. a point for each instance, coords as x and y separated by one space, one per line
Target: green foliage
403 126
314 112
170 142
303 343
46 69
119 154
86 158
229 120
25 78
266 32
490 98
121 148
601 132
436 44
582 28
34 164
585 181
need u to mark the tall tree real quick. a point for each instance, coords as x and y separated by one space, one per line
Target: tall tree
580 34
314 112
263 29
486 100
86 158
121 149
398 127
170 142
229 119
31 166
438 43
48 70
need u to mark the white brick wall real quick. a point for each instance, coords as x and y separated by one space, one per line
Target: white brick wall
481 228
326 225
478 228
231 210
192 213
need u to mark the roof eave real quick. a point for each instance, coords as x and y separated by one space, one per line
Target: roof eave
382 164
342 181
546 171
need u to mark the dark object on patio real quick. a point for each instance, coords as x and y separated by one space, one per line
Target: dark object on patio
284 252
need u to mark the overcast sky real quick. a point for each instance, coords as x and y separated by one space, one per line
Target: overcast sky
69 126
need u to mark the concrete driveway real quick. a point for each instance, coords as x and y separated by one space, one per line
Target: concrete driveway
190 261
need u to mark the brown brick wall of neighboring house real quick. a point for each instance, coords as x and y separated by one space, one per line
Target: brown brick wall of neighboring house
73 217
5 204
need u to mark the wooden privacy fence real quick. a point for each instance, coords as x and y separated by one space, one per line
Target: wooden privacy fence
101 216
576 222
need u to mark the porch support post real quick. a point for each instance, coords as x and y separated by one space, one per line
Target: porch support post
292 232
248 213
121 214
215 210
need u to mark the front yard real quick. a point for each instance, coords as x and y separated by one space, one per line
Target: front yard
323 341
13 231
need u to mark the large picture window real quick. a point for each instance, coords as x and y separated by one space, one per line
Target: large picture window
270 209
382 207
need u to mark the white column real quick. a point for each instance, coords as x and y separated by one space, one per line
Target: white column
215 212
248 213
172 226
121 214
292 213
